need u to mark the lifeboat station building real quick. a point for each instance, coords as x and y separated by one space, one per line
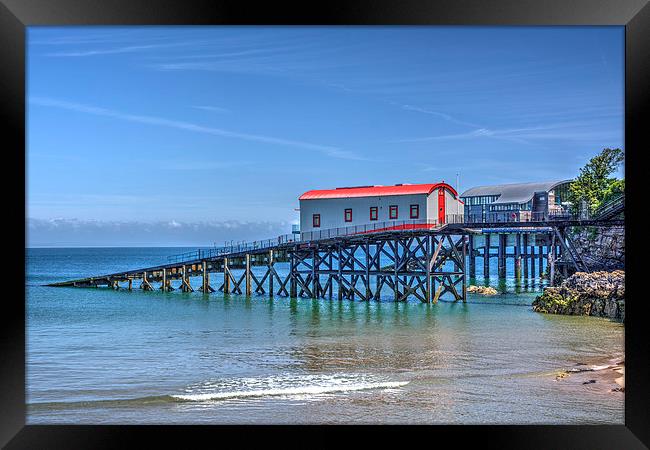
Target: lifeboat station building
520 202
401 205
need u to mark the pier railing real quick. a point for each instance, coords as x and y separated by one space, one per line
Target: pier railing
533 216
375 227
215 252
328 233
401 225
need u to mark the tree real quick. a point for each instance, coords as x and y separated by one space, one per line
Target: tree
595 184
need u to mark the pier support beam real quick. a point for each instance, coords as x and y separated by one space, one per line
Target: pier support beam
185 281
486 257
270 269
518 256
339 276
226 277
314 273
130 284
551 261
293 287
472 257
145 283
502 256
463 267
525 256
427 294
532 261
541 260
249 288
163 286
205 285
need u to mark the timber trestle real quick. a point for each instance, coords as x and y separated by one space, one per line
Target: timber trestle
398 265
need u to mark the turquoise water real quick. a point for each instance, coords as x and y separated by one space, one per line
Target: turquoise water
104 356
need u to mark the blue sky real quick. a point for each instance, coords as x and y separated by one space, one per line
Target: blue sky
224 127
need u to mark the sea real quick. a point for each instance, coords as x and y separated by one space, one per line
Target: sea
101 356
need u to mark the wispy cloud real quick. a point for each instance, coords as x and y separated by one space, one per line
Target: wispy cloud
129 49
114 50
566 130
331 151
216 109
442 115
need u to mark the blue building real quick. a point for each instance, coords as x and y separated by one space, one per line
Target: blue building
519 202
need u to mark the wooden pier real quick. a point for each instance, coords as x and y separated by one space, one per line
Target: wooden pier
421 263
418 260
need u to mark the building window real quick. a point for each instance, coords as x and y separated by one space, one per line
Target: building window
415 211
373 213
315 220
348 215
392 212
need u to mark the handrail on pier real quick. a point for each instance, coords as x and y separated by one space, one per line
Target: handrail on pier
610 208
375 227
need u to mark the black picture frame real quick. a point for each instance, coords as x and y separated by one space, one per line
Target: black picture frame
15 15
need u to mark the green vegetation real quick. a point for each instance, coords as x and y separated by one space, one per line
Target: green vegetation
595 185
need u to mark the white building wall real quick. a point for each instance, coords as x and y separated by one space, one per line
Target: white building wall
331 210
452 205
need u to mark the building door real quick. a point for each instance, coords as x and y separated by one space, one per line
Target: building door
441 205
540 206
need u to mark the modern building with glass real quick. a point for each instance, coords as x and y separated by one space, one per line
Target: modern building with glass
519 202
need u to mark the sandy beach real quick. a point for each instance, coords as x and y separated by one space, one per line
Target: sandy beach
607 375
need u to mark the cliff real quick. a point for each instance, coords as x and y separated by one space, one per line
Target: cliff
601 248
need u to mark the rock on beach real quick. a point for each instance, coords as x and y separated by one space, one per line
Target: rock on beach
483 290
589 294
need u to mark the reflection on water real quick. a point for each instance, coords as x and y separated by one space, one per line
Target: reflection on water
101 356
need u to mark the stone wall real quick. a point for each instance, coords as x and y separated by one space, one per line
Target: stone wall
601 248
588 294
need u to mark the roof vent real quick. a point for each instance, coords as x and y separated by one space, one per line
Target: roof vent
354 187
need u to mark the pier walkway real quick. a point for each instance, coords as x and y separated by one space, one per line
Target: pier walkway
420 258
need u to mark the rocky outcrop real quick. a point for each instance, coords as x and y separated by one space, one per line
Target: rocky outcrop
483 290
588 294
601 248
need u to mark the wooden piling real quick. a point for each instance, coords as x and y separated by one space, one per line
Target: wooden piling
463 269
164 286
314 273
541 260
249 289
226 277
486 257
205 285
428 246
339 276
145 282
532 261
472 257
270 273
551 257
518 256
525 256
502 256
368 291
293 285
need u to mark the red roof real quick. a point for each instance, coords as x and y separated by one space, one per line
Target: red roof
375 191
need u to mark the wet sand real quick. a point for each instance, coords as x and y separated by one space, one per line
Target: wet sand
607 375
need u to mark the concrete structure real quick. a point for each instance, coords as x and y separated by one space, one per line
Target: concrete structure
416 204
520 202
